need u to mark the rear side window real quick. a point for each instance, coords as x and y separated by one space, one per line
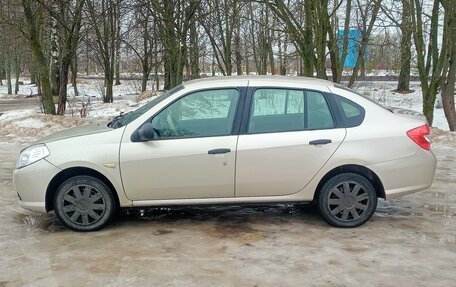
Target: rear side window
351 113
281 110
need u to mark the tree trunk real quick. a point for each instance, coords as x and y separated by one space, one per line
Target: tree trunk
74 75
145 76
32 75
448 89
118 42
41 63
17 71
194 52
117 66
144 79
237 52
109 80
363 67
270 38
308 49
108 98
247 63
63 89
448 99
157 79
321 31
403 85
55 51
8 69
429 101
213 64
87 70
341 63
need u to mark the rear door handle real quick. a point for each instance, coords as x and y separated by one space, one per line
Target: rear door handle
320 142
219 151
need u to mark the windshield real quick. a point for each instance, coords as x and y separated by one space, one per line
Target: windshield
125 119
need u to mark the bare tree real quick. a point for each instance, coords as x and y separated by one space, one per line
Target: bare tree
401 18
173 19
430 62
299 30
220 20
6 54
102 17
338 48
368 15
34 14
66 18
141 40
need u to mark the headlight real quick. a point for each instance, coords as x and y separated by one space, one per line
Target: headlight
32 154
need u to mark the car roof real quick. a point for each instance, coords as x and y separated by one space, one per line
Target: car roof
260 81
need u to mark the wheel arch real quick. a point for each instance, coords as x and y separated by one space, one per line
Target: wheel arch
65 174
353 168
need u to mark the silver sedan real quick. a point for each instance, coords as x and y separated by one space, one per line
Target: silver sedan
232 140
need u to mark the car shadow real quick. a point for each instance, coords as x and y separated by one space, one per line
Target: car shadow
222 213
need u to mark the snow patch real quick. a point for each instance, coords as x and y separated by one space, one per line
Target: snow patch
17 114
31 123
103 110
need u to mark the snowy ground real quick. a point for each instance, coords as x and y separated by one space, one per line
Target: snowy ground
382 92
28 124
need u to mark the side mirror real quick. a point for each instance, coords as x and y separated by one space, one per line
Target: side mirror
143 134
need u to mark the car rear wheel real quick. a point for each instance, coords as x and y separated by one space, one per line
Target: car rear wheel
347 200
84 203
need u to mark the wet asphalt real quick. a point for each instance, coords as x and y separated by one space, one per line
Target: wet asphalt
410 241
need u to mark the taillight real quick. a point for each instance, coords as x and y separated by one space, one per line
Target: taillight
419 136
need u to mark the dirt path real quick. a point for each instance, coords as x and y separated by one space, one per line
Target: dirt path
409 242
14 104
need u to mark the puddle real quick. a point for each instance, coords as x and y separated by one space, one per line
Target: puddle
232 223
204 213
38 220
162 232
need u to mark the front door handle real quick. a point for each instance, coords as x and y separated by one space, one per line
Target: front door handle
219 151
320 142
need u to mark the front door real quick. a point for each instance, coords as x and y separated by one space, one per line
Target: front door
290 136
193 151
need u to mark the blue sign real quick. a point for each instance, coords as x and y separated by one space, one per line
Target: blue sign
354 40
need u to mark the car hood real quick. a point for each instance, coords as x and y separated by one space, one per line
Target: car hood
407 113
75 132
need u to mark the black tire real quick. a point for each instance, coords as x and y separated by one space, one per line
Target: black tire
347 200
84 203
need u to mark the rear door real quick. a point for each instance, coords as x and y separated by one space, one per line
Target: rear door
289 134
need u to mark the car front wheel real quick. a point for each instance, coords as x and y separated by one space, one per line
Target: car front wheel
347 200
84 203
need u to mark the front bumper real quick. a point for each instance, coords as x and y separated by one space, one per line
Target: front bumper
406 175
31 182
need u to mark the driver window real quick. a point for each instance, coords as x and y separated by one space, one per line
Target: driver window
200 114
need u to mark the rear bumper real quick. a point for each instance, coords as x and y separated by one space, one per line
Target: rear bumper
406 175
